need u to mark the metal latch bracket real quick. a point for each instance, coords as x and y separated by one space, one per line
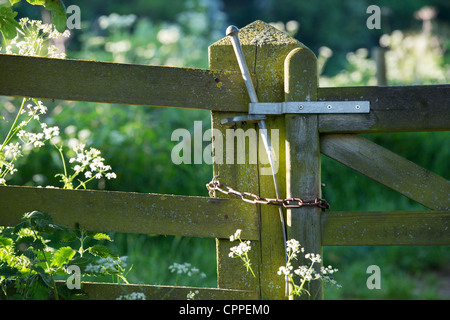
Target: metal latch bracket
259 110
309 107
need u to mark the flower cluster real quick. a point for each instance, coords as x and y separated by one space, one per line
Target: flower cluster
191 295
241 250
107 265
90 163
132 296
186 268
293 248
11 151
35 36
306 273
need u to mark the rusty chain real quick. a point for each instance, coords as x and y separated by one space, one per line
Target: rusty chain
216 185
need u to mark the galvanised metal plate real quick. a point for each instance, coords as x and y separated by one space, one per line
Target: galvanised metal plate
309 107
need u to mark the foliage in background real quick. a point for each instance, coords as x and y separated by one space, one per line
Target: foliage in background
31 258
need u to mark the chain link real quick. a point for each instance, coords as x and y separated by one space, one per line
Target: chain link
216 185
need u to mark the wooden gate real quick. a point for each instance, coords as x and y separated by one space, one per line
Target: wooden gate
283 69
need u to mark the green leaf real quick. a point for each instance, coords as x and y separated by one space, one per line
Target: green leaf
81 261
58 12
8 25
23 243
101 251
37 2
62 256
5 242
42 222
101 236
8 271
13 1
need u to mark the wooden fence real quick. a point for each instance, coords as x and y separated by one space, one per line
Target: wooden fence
283 69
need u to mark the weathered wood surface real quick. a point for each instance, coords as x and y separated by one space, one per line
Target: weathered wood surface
389 169
385 228
265 49
392 109
397 108
303 158
110 211
111 291
80 80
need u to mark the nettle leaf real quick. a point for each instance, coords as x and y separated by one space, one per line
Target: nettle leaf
23 243
42 222
58 12
101 251
8 271
5 242
8 25
36 2
101 236
82 262
62 256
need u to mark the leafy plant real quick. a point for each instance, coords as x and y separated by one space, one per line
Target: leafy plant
30 262
9 27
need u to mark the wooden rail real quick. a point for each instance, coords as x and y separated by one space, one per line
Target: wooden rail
129 212
393 109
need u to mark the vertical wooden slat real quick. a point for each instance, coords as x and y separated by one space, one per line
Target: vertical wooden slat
303 157
265 49
231 273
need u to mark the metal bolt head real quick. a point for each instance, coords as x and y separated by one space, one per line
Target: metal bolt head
357 107
329 107
231 30
300 107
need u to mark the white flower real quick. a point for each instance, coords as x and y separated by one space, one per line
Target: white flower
285 270
187 269
12 151
242 249
111 175
236 235
313 257
191 295
132 296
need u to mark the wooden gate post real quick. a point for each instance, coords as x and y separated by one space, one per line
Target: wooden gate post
265 49
303 158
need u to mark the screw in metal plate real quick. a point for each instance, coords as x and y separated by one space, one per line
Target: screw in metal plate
357 107
329 107
300 107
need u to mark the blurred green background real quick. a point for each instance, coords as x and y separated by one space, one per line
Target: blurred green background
136 141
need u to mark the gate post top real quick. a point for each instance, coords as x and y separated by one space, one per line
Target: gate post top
265 49
260 33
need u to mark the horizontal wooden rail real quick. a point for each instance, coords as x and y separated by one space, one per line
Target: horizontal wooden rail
111 291
401 108
111 211
385 228
80 80
393 109
389 169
